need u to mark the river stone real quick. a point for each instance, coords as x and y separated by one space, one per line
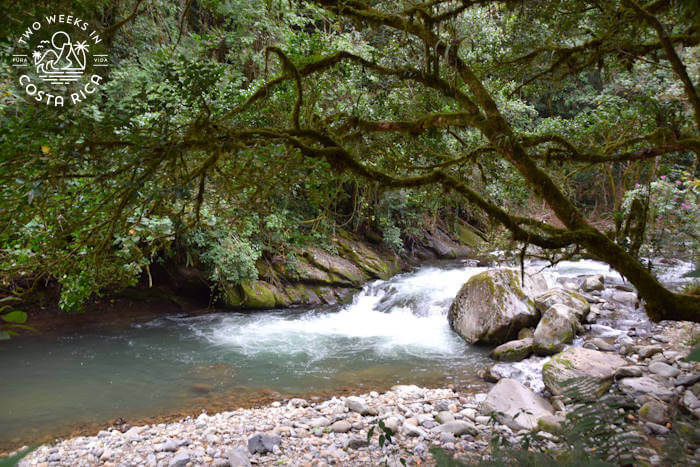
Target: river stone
491 308
662 369
524 333
458 428
409 429
654 411
635 387
687 380
574 300
357 404
593 371
602 344
647 351
592 283
444 416
180 459
626 298
341 426
356 442
392 423
513 351
628 372
263 443
514 405
556 329
238 457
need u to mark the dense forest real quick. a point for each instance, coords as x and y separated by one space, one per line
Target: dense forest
227 132
265 154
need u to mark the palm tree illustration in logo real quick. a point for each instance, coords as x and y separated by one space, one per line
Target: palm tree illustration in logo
63 62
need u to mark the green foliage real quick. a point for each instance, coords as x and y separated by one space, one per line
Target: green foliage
673 215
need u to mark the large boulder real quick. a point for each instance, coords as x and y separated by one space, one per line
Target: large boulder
586 372
574 300
556 329
514 405
513 351
491 308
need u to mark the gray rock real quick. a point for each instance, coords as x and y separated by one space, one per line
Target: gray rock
412 430
133 434
660 338
556 329
655 429
654 411
171 445
356 442
558 296
513 351
262 443
592 283
524 333
628 372
628 299
592 370
319 421
238 457
687 380
357 404
602 344
691 401
341 426
647 351
635 387
444 417
514 405
491 308
392 423
447 437
180 459
662 369
458 428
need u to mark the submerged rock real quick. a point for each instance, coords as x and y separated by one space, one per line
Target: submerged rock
514 405
491 308
588 373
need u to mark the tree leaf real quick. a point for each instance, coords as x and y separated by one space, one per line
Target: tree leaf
15 317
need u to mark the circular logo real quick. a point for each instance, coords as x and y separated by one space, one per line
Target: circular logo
59 60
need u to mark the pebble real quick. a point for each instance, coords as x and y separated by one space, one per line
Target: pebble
663 369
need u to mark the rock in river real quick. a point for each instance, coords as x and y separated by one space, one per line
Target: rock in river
491 308
556 329
513 351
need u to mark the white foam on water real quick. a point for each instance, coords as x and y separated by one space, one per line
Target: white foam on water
406 314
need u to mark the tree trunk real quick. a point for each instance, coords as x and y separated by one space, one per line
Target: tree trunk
661 303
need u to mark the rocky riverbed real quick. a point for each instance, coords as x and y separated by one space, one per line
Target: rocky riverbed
590 329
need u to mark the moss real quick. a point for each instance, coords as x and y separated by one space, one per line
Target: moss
258 294
232 296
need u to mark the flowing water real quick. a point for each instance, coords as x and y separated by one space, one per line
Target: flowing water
394 331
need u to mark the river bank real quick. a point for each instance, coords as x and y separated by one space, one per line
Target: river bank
335 432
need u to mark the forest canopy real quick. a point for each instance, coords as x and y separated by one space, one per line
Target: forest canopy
239 129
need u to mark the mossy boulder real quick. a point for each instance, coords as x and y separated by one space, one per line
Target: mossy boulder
574 300
468 235
258 294
375 263
513 351
584 373
491 308
231 296
556 329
